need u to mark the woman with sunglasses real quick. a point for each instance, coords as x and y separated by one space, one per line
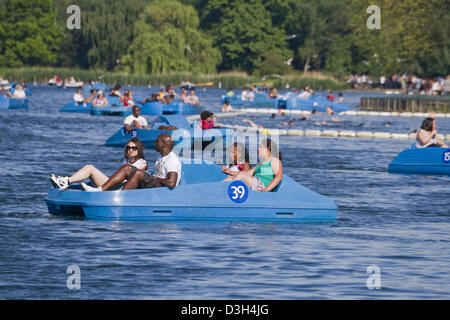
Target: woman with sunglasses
134 155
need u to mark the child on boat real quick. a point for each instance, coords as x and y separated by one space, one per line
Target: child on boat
267 175
239 161
100 101
207 121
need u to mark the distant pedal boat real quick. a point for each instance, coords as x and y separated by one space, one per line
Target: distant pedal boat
201 195
429 161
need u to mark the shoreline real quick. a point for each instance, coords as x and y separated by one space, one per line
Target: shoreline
219 80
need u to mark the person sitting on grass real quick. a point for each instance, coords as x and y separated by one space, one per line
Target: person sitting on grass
167 171
134 155
135 121
267 175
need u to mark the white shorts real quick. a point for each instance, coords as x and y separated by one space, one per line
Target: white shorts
257 184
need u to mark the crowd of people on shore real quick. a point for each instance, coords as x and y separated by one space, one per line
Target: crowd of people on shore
410 84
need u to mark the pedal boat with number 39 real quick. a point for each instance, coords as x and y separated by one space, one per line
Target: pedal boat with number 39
433 161
201 195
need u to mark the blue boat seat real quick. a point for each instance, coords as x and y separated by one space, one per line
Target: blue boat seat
178 121
277 187
113 101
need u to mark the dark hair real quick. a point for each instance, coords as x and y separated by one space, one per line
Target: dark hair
117 87
140 147
272 146
206 114
427 124
243 150
93 91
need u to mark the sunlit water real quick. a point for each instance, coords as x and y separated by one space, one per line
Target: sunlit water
398 223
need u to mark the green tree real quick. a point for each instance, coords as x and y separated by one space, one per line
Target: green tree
167 39
319 34
412 39
28 33
107 30
244 34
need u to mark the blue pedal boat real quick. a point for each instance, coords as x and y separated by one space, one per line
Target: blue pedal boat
113 108
13 103
260 100
433 161
185 132
201 195
318 103
158 108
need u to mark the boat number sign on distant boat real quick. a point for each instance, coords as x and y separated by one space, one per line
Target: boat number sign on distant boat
446 156
238 191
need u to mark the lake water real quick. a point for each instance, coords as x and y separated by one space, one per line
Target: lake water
399 224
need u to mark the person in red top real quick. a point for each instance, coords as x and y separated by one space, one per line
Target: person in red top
330 96
207 120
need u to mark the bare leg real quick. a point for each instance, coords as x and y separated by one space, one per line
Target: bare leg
133 181
118 177
89 171
246 178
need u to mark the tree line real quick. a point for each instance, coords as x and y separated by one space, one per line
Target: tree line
207 36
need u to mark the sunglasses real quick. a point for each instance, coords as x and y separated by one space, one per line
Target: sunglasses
132 148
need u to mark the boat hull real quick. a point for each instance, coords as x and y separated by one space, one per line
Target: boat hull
433 161
13 103
199 199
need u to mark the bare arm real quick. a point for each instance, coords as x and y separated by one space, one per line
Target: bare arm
250 122
277 168
424 138
171 180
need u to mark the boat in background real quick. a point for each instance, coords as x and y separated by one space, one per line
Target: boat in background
13 103
158 108
201 195
260 100
433 161
113 108
180 130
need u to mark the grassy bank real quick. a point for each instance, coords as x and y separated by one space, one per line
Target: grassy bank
224 80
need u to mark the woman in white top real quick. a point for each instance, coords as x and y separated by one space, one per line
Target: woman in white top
427 135
19 93
100 101
133 155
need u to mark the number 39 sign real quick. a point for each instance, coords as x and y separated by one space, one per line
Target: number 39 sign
446 156
238 191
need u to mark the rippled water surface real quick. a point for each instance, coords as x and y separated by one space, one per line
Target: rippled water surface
398 223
